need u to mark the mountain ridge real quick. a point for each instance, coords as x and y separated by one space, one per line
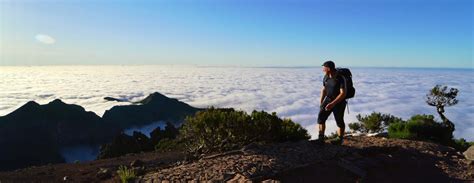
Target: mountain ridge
50 126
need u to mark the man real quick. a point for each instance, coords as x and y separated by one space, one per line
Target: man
332 101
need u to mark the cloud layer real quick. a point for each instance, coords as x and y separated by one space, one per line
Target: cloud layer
45 39
291 92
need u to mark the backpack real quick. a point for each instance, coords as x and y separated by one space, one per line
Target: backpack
347 75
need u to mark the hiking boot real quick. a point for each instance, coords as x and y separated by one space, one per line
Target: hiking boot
320 140
337 141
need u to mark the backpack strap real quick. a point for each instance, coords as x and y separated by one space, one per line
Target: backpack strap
345 84
345 91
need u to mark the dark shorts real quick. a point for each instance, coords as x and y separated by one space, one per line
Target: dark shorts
337 110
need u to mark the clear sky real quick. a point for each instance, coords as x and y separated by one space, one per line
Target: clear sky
374 33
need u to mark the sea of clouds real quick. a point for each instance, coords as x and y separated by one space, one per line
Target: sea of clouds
291 92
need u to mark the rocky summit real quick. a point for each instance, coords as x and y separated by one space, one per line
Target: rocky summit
362 158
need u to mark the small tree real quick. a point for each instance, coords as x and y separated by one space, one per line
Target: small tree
440 97
375 122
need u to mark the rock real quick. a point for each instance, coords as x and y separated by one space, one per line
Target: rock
355 134
469 153
271 181
104 173
136 163
228 176
469 162
238 178
352 168
139 170
382 134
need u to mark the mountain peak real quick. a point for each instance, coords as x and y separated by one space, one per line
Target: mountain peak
57 102
154 97
31 103
27 107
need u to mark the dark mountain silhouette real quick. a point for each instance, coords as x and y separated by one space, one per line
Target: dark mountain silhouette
34 133
155 107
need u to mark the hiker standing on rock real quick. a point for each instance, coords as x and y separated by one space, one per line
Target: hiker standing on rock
333 95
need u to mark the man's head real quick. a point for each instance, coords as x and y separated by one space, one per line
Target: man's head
328 67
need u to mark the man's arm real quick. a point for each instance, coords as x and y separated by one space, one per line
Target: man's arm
323 94
340 97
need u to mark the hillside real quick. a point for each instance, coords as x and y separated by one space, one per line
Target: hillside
371 159
34 134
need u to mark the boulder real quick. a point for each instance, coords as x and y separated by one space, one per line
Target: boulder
469 153
136 163
104 173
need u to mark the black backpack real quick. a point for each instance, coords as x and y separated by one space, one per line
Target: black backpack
347 75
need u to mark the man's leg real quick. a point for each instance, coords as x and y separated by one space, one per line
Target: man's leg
340 131
339 117
322 117
322 128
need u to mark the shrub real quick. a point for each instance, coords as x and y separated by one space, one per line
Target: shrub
168 145
126 175
375 122
139 142
402 130
124 144
355 127
461 144
170 132
216 130
421 127
333 135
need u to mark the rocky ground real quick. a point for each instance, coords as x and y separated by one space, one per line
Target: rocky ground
359 159
95 171
367 159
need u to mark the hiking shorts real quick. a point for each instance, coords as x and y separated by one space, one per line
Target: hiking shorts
337 110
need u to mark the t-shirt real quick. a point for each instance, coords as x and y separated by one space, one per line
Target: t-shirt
333 85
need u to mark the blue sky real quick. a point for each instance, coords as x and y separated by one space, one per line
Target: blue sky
364 33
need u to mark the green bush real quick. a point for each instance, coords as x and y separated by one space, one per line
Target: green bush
167 144
355 127
170 132
403 130
375 122
461 144
216 130
421 127
126 175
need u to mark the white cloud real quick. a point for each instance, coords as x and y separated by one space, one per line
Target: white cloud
43 38
291 92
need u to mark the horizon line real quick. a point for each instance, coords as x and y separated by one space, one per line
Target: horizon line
240 66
